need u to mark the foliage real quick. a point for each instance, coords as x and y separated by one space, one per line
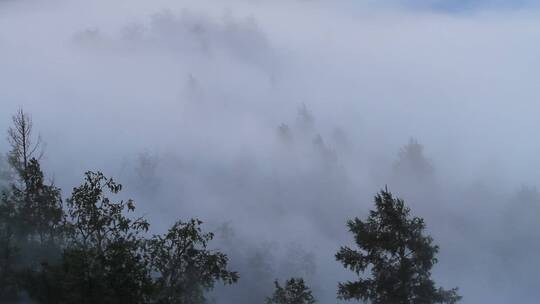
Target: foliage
31 225
395 250
39 206
294 292
104 260
104 256
185 266
90 250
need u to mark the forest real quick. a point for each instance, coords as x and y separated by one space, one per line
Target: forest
89 248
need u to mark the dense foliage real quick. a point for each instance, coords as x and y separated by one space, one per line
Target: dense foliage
89 250
295 291
395 250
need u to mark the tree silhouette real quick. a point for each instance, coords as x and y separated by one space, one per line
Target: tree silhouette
39 206
394 249
305 120
146 173
412 162
90 250
284 134
185 267
294 292
104 260
23 144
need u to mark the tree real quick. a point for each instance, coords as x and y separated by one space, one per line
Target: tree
284 134
185 268
395 250
30 211
146 172
24 146
39 206
294 292
6 174
104 261
412 162
305 120
327 154
9 252
31 226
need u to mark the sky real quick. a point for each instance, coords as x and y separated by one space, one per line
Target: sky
182 101
464 6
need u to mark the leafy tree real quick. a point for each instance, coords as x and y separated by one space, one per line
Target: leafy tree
104 261
294 292
395 250
90 250
186 268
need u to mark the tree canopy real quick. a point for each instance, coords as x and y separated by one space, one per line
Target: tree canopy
394 258
295 291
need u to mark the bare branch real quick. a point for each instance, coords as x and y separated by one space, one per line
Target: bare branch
23 146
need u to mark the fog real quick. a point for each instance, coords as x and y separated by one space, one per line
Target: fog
276 121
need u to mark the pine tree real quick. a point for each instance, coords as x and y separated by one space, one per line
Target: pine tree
394 258
305 120
413 163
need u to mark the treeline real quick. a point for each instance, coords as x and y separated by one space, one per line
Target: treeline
90 248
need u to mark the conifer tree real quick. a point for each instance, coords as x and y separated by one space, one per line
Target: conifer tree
394 258
39 206
412 163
